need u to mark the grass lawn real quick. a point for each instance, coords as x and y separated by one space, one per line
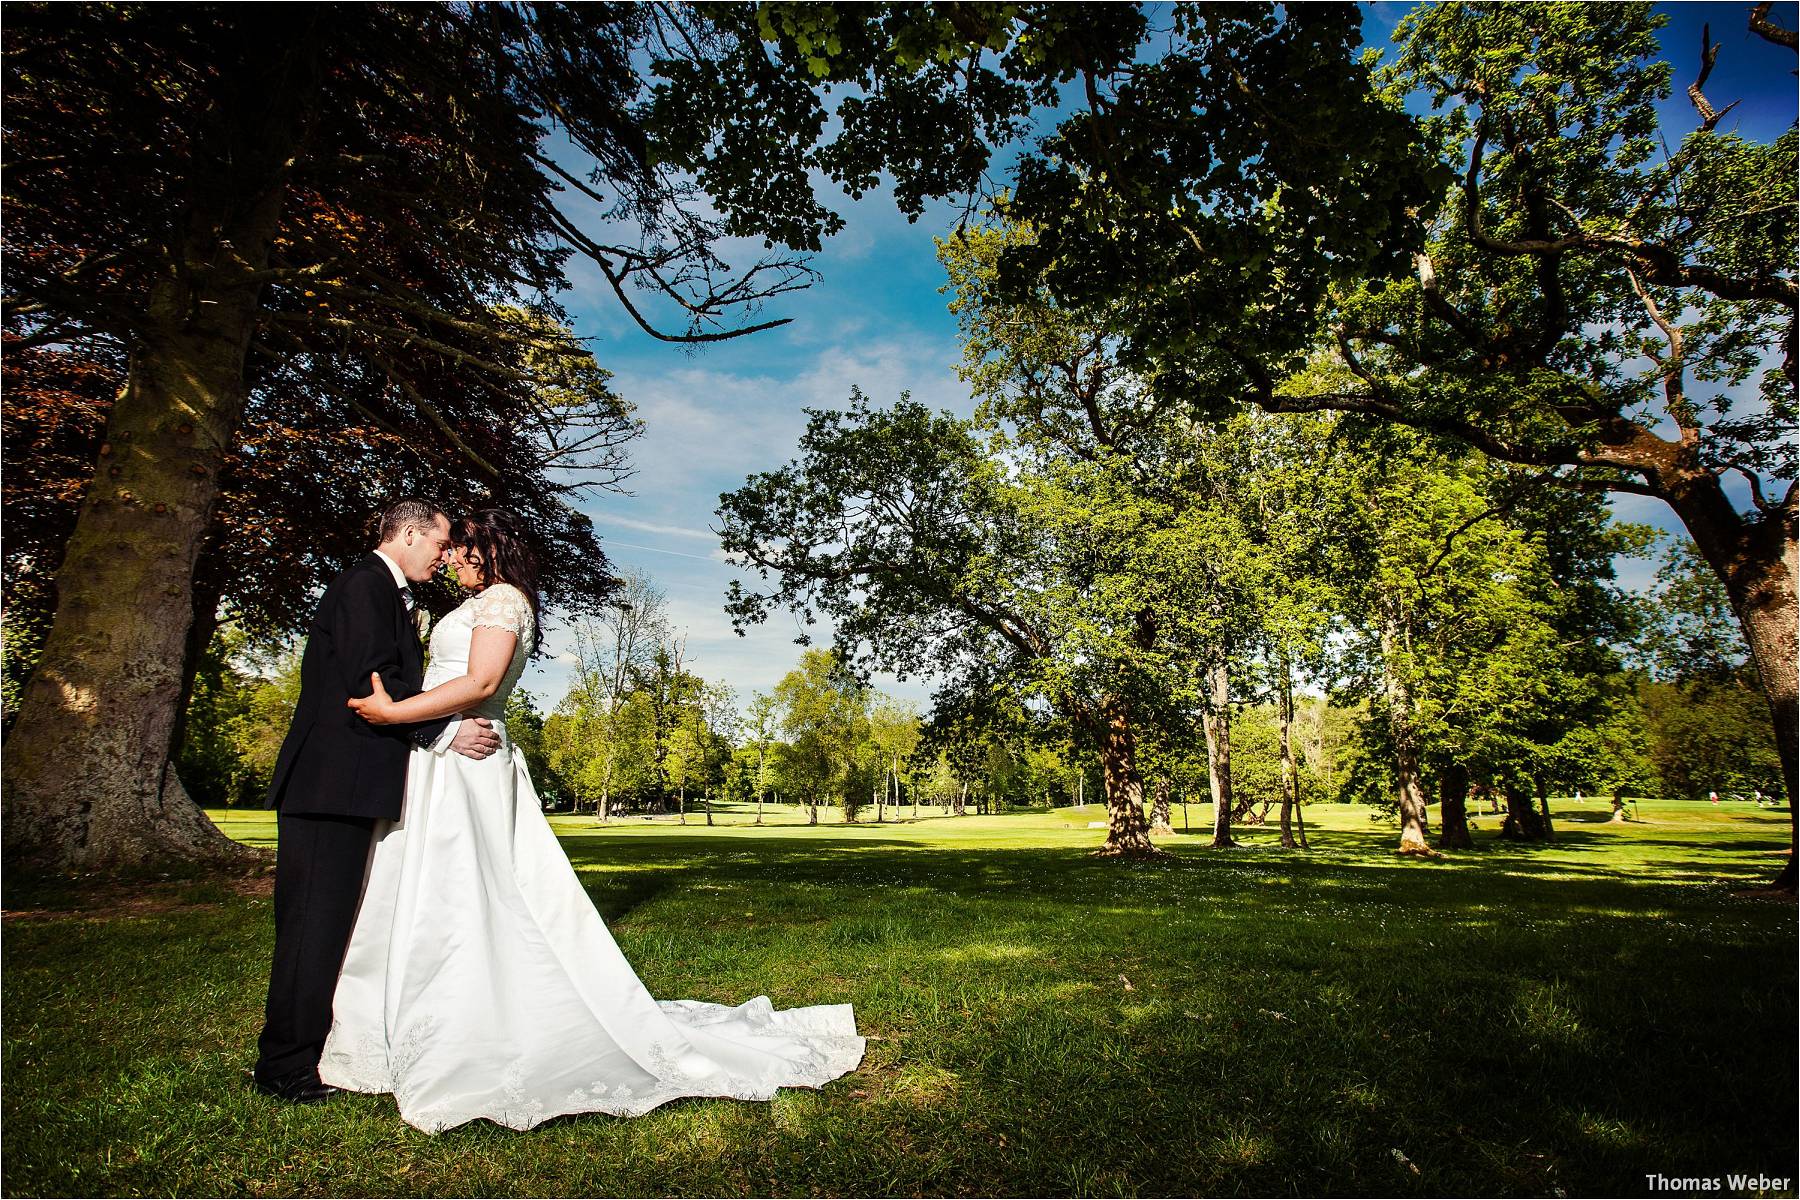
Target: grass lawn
1549 1020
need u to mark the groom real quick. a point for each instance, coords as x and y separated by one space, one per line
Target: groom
337 775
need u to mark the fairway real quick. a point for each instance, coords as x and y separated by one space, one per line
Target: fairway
1518 1020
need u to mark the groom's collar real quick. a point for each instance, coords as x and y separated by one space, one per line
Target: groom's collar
400 580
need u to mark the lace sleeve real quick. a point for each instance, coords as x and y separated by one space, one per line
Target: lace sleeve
504 606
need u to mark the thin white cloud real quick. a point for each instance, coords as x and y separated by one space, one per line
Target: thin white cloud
607 518
660 550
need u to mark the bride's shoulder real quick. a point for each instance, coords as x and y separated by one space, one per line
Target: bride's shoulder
504 605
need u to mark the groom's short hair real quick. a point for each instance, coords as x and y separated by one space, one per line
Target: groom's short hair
408 510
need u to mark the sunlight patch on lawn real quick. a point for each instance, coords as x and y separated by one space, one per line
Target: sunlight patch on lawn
987 952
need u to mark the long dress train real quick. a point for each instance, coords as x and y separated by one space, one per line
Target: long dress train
481 982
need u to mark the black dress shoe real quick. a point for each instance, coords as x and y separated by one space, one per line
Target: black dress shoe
301 1087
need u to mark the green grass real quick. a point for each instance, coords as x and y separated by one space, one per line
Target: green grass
1516 1020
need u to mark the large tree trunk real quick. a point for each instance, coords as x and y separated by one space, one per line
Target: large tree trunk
1410 793
1618 807
86 762
86 767
1453 809
1759 563
1543 796
1127 833
1215 720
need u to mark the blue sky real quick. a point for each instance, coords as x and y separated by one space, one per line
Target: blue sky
876 320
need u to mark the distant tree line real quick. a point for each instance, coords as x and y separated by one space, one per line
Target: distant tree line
1681 718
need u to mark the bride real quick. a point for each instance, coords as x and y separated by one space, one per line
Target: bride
479 981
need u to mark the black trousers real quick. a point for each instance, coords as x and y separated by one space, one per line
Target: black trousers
319 864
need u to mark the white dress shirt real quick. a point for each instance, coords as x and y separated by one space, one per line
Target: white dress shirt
400 579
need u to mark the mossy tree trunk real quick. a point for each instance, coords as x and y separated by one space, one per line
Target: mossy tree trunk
88 785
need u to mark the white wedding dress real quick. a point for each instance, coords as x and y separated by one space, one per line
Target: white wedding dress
480 982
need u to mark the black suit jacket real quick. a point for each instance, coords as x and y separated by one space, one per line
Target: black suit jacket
333 761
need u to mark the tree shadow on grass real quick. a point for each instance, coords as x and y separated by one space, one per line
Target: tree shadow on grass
1230 884
616 895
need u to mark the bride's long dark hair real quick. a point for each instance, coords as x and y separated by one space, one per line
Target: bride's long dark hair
498 537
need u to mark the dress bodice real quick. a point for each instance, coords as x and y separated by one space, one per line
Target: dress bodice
500 605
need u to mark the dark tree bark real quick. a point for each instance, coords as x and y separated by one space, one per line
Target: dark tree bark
1618 807
1543 797
1453 809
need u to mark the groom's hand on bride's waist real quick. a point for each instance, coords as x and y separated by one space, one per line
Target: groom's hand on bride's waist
475 738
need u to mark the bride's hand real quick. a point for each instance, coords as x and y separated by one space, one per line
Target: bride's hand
377 707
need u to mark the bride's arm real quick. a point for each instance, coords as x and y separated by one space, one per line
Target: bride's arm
490 654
